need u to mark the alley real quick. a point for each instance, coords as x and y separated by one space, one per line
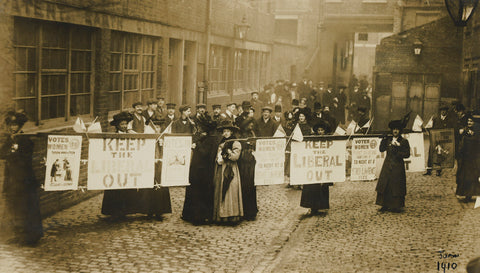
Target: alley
352 237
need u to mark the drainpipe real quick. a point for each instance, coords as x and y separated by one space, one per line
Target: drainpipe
208 22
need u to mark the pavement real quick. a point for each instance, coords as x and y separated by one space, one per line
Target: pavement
352 237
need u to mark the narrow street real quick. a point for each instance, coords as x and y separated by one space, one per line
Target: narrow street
353 237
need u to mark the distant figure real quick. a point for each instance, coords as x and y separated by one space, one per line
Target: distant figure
53 171
68 170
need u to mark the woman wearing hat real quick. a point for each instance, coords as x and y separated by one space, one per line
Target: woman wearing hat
246 166
468 171
302 118
392 182
20 186
316 196
228 205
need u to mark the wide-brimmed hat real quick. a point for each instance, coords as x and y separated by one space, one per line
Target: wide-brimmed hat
322 124
254 92
245 122
18 118
121 117
395 124
246 104
295 102
317 105
268 108
443 107
227 124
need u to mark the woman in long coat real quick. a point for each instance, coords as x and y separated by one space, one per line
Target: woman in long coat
228 205
392 182
468 162
246 166
316 196
20 187
198 205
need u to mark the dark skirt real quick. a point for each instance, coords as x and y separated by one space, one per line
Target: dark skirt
469 168
315 196
131 201
22 218
387 200
246 167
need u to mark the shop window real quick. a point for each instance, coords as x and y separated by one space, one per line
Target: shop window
218 69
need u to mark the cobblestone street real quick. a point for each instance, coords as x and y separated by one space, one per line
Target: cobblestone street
352 237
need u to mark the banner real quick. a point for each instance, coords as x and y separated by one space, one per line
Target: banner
416 161
270 157
63 162
177 151
317 161
121 163
364 156
442 143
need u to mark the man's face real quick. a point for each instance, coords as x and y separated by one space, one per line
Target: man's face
459 114
138 109
14 128
278 114
251 113
255 96
216 111
266 114
187 112
231 108
443 112
171 111
152 106
201 110
161 102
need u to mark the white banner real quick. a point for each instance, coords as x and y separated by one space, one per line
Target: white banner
270 157
416 161
121 163
63 162
364 155
177 152
319 161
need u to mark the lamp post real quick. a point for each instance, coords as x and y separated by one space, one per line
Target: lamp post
417 47
242 29
461 10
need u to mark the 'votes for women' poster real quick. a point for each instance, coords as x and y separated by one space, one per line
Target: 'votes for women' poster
270 161
63 162
364 155
317 161
121 163
177 151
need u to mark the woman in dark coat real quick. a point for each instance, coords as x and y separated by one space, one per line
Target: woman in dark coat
20 187
392 183
198 205
468 162
246 165
316 196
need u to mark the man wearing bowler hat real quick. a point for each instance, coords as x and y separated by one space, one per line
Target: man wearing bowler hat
137 125
244 115
265 126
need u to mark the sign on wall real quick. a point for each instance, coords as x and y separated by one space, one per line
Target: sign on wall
63 162
317 161
121 163
177 152
270 161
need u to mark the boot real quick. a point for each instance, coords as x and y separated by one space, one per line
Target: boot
429 172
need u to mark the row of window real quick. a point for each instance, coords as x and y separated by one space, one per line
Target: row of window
54 73
249 69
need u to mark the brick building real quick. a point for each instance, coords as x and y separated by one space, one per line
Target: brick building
64 59
470 95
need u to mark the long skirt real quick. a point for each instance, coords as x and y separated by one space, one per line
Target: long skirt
246 166
388 200
230 208
315 196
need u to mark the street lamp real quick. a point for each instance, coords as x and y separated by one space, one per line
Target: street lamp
242 29
417 47
461 10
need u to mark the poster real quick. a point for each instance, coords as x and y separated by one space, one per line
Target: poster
442 143
416 161
177 151
270 157
317 161
63 162
121 163
364 156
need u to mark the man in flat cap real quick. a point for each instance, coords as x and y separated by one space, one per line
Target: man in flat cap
184 125
265 126
151 117
170 116
256 104
230 112
137 125
217 110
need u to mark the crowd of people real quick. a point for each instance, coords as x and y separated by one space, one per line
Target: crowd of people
222 188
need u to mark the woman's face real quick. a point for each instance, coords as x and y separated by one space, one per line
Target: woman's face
320 131
227 133
301 117
123 125
14 128
470 122
395 132
251 112
250 126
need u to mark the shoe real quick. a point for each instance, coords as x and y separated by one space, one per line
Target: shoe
429 172
439 172
397 210
383 209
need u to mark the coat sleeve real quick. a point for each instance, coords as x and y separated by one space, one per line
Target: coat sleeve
384 144
234 155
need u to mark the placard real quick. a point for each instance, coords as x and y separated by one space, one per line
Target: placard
63 162
317 161
442 141
177 152
270 161
364 156
121 163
